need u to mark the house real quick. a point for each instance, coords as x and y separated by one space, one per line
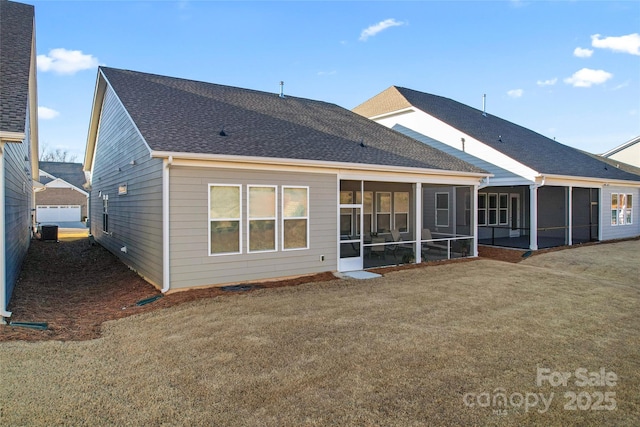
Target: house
18 141
63 197
542 193
197 184
628 153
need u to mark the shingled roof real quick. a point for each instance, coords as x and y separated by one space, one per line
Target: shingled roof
16 35
67 171
536 151
186 116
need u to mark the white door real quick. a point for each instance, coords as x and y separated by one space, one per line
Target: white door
61 213
514 210
350 238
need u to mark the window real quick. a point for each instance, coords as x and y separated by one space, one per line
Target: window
295 218
383 212
503 209
225 215
105 213
621 209
401 211
367 205
262 218
442 209
346 214
122 189
482 208
492 210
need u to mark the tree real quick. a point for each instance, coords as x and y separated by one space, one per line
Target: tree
57 155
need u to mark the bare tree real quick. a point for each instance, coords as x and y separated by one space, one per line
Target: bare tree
57 155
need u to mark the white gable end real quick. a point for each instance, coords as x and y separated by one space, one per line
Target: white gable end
432 127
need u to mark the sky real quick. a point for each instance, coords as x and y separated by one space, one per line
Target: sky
569 70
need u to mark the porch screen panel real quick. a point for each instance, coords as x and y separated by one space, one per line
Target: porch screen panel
442 209
383 212
401 211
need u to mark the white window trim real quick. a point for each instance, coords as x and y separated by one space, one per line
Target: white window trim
621 211
489 209
377 212
239 186
484 209
505 208
249 218
285 187
441 209
364 213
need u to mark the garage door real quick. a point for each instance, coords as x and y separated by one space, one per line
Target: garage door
64 213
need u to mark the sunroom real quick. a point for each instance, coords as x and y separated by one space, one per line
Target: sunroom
392 223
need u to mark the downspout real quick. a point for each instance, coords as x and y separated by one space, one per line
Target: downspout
4 314
166 258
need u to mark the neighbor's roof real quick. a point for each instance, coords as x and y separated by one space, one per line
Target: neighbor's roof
16 35
185 116
536 151
69 172
630 143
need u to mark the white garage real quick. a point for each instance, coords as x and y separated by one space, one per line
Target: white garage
61 213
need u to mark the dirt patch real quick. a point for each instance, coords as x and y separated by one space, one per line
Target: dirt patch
75 287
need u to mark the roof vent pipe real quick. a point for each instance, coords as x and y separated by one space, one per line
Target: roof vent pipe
281 89
484 105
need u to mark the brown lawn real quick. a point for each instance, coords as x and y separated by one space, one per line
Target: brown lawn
434 345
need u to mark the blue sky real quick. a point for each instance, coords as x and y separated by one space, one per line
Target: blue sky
569 70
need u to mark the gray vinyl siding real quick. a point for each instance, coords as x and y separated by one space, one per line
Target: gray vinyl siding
191 264
18 202
429 208
610 232
135 218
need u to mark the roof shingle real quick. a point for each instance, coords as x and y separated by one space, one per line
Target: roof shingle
185 116
16 35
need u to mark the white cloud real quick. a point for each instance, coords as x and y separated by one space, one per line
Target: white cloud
380 26
587 77
63 61
625 44
582 53
46 113
515 93
549 82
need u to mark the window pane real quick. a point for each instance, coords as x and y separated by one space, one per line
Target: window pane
368 202
503 216
383 202
442 201
614 217
262 235
295 233
262 202
493 217
401 222
401 202
482 217
225 202
225 237
346 197
504 201
294 202
629 203
384 223
493 201
614 201
367 224
482 201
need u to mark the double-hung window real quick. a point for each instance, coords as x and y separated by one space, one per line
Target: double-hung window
105 213
442 209
482 208
367 205
503 209
383 212
621 209
262 218
493 209
225 216
295 218
401 211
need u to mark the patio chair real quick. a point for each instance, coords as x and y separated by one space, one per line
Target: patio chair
378 249
394 249
426 235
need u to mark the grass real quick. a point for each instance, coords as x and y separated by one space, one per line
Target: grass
404 349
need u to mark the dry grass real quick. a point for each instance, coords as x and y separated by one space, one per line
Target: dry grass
399 350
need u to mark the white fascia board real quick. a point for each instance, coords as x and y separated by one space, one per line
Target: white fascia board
12 136
429 126
267 163
580 181
45 173
61 183
621 147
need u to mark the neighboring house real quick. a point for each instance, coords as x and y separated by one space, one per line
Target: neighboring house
63 198
542 193
196 184
18 141
628 153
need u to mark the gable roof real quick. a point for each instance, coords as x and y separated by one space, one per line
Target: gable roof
69 172
16 37
628 144
524 145
184 116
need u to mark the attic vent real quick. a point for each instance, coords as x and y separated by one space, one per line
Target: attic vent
222 132
281 89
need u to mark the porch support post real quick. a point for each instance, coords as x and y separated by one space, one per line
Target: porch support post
418 221
569 215
474 216
533 217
